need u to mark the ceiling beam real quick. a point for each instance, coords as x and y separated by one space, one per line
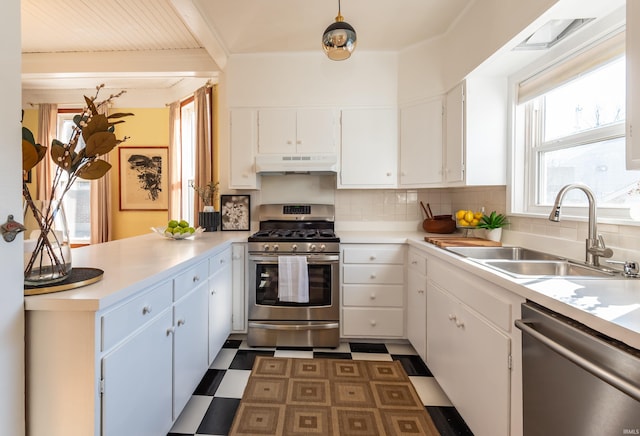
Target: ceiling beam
203 30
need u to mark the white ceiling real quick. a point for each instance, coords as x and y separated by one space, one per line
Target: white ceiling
71 44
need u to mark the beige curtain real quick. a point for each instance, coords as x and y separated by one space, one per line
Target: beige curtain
101 204
47 126
203 142
175 162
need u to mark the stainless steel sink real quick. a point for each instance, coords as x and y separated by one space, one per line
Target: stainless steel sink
506 253
538 268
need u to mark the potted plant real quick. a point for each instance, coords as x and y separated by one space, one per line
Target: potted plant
208 219
493 224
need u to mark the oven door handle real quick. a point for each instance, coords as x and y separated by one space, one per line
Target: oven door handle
272 326
328 258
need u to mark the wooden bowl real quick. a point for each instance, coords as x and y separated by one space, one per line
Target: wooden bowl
439 225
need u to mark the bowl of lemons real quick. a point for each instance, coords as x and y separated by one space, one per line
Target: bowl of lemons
178 229
468 219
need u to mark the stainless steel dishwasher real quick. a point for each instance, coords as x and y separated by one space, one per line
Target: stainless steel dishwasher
575 380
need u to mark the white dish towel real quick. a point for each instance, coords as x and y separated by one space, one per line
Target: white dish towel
293 279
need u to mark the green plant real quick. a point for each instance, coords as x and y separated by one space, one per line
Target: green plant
492 221
207 192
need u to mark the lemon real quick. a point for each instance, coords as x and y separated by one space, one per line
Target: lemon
183 224
474 222
468 217
463 223
478 215
172 224
460 214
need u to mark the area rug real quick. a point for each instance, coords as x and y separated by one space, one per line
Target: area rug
296 397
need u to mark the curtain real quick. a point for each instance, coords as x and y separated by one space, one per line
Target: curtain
203 142
47 127
101 204
175 162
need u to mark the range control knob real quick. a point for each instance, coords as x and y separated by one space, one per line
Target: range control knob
312 247
294 247
323 247
275 247
265 247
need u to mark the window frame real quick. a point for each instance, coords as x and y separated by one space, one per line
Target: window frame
524 158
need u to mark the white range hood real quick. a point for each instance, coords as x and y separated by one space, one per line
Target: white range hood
296 164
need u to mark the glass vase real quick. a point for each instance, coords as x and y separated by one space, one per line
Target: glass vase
47 249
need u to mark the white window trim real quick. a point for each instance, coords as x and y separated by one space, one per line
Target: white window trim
521 194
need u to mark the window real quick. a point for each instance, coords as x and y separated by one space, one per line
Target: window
570 128
77 202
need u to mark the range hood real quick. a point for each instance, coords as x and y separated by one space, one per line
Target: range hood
296 164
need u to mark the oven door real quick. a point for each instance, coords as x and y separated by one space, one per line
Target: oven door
324 294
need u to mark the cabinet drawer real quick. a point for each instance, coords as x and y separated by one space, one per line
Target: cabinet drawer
373 295
373 254
219 261
377 274
418 262
121 322
373 322
189 280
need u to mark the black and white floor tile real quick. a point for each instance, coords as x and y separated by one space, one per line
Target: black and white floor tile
211 409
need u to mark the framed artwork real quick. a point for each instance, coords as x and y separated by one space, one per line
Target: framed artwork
143 178
235 212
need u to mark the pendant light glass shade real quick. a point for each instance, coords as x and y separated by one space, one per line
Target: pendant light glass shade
339 39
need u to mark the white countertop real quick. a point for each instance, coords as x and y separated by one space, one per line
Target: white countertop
610 306
130 265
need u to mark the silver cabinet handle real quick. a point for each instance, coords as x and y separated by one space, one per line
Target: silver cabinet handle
600 372
146 310
181 322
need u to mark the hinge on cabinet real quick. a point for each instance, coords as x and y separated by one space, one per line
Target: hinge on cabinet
509 361
101 386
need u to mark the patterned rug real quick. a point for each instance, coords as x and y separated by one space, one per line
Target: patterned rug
295 397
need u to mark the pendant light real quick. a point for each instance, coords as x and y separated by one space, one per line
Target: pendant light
339 39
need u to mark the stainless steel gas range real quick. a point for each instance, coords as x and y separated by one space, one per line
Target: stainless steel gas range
294 279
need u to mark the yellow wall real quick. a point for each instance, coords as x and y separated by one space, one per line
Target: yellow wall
148 127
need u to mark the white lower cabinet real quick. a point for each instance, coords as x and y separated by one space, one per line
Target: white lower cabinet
417 301
130 368
469 347
137 383
220 304
372 281
190 356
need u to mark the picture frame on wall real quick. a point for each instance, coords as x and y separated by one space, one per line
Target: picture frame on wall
143 173
235 212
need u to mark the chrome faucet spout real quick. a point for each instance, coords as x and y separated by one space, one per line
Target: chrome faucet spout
594 244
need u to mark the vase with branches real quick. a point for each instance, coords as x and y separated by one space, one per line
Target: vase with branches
48 259
208 194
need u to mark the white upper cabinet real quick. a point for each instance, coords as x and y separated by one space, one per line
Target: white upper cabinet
475 134
368 157
297 131
244 126
421 144
633 87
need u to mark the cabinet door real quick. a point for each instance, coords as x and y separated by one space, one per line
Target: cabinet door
317 131
238 297
220 309
421 144
137 382
470 360
369 148
633 87
242 174
454 141
417 312
276 131
190 345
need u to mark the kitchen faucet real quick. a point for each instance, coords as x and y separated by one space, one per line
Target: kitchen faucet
595 248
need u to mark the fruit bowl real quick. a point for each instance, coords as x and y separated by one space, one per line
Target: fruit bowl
161 231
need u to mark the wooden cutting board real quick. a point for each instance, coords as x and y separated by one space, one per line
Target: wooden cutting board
458 241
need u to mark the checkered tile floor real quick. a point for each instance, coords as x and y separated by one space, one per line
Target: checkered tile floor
214 402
